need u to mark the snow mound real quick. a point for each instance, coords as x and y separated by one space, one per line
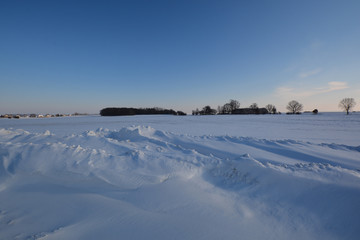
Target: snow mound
136 134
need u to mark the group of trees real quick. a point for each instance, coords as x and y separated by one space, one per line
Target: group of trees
138 111
293 107
207 110
233 107
271 108
346 104
229 108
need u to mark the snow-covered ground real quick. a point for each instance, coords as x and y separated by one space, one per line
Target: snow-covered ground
185 177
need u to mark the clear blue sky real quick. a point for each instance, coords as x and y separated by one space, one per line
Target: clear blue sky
67 56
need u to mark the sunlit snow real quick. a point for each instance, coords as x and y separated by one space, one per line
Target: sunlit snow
191 177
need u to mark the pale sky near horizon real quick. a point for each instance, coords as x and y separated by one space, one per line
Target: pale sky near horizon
82 56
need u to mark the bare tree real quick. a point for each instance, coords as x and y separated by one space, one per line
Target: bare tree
207 110
294 107
347 104
227 109
271 108
274 110
234 104
196 112
254 106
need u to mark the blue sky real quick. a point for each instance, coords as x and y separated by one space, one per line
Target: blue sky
81 56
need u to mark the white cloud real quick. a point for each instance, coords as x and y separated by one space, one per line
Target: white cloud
284 90
291 92
310 73
333 86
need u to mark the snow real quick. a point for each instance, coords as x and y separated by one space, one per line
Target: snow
191 177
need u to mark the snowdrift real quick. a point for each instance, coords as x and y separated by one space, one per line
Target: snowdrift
142 183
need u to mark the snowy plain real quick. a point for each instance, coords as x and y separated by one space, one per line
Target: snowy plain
181 177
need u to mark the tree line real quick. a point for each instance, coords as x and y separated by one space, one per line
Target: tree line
293 107
233 107
137 111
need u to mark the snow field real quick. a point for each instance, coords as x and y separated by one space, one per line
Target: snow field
141 183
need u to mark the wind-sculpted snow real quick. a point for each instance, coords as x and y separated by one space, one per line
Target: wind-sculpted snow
142 183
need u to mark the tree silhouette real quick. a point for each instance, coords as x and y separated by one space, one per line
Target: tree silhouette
254 106
294 107
207 110
136 111
271 108
347 104
234 104
227 108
